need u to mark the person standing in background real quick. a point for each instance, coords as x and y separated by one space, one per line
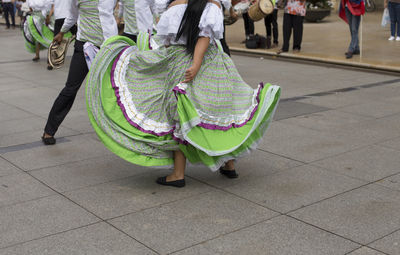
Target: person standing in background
8 8
350 11
394 13
295 10
271 20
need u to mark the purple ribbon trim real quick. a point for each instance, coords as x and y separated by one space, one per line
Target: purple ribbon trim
121 105
184 142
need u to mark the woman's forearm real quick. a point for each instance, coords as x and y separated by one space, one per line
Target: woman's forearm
199 51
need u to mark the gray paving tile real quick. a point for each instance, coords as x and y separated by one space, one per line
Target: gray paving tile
31 136
38 218
258 163
289 109
21 187
392 182
190 221
374 109
78 148
371 163
294 188
97 239
21 125
330 121
34 100
132 194
78 120
389 244
303 144
87 172
9 112
338 100
6 168
365 251
392 143
362 215
281 235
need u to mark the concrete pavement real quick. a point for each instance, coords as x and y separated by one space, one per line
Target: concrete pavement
325 180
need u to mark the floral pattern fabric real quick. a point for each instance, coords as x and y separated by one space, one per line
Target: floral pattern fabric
296 7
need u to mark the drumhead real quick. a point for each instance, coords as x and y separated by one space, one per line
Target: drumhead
266 6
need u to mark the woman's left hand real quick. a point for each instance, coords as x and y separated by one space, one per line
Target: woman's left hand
191 73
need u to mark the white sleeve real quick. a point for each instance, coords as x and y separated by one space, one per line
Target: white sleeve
120 9
212 22
72 16
227 4
107 20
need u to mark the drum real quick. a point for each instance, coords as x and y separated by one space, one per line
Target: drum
240 7
260 9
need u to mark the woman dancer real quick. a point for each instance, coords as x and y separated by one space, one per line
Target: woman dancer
37 35
182 101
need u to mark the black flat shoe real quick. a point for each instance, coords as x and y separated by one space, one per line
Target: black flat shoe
177 183
35 59
231 174
349 55
48 140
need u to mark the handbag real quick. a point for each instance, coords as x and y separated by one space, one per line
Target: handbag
385 17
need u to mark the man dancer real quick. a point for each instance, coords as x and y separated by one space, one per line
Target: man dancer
96 23
8 8
138 16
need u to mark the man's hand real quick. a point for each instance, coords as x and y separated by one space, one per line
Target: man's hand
191 73
59 37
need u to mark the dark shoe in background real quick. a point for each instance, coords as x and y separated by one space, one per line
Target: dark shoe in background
349 55
269 42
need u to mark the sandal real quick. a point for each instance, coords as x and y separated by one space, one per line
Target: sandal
231 174
35 59
48 140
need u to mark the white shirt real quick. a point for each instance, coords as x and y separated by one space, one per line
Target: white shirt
61 8
106 16
40 5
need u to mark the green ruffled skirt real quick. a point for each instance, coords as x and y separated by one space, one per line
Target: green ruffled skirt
36 30
142 112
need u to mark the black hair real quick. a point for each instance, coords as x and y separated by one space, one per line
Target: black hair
189 26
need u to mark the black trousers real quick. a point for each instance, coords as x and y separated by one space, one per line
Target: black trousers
8 9
132 37
63 103
225 46
294 22
58 25
271 20
248 24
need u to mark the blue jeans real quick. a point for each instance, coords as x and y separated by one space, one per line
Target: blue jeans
354 24
394 13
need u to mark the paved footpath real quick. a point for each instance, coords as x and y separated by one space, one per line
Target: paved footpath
325 180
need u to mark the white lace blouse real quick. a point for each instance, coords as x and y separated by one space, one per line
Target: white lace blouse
211 23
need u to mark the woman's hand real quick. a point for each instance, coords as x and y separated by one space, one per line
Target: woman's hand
191 73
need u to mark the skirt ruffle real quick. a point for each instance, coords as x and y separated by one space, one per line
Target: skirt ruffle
142 112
